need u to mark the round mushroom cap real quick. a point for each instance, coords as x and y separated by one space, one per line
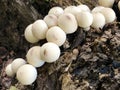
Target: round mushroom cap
26 74
9 70
29 35
50 52
83 7
39 29
109 14
68 23
33 56
84 19
97 9
98 20
50 20
17 63
106 3
56 11
56 35
72 9
86 29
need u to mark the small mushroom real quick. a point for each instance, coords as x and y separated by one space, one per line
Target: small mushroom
106 3
33 56
26 74
98 20
29 35
86 29
56 11
84 19
97 9
56 35
50 20
50 52
72 9
109 14
68 23
17 63
9 71
39 29
83 7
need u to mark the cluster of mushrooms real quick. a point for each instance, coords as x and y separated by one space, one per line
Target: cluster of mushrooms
54 28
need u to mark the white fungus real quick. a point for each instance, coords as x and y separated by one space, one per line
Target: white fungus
9 70
33 56
84 19
72 9
26 74
56 11
106 3
39 29
68 23
119 5
86 29
97 9
83 7
109 14
98 20
29 35
17 63
56 35
50 20
50 52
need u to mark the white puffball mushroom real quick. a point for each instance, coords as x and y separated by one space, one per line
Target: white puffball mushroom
56 11
29 35
84 19
109 14
83 7
9 70
17 63
86 29
72 9
33 56
50 20
56 35
119 5
39 29
50 52
27 74
97 9
68 23
98 20
106 3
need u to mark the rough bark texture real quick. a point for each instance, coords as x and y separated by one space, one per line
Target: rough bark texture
89 60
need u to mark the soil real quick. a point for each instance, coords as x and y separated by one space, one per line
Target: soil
89 60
